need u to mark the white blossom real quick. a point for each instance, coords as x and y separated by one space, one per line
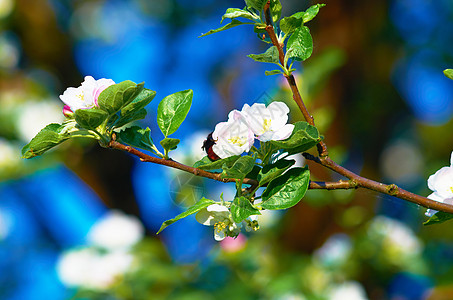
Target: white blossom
268 123
116 231
91 269
441 183
233 137
350 290
219 216
86 95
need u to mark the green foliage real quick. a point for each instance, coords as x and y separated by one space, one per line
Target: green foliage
304 137
242 208
300 44
172 111
273 72
256 4
240 168
232 13
206 164
276 10
270 56
136 136
449 73
287 190
202 203
169 144
272 171
439 217
232 24
116 96
289 24
135 109
46 139
90 118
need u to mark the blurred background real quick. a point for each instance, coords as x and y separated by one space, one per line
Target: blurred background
80 222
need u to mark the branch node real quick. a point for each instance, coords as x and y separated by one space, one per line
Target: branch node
392 189
353 183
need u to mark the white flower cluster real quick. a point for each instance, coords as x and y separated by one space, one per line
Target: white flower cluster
219 216
98 267
441 183
238 134
84 96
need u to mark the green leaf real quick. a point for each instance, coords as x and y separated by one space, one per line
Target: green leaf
276 10
116 96
300 44
439 217
287 190
131 117
46 139
232 24
206 164
256 4
311 12
169 144
290 24
172 111
253 174
140 101
90 118
449 73
242 208
203 203
270 56
240 168
232 13
272 171
273 72
304 137
136 136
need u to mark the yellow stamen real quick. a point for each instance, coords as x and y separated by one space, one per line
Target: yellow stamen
266 125
237 141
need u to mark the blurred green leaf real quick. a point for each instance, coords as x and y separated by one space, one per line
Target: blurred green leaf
304 137
439 217
135 109
169 144
276 10
46 139
90 118
272 171
232 13
136 136
242 208
203 203
311 12
116 96
287 190
448 73
172 111
300 44
270 56
206 164
232 24
240 168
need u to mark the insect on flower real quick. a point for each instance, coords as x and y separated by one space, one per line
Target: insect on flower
207 146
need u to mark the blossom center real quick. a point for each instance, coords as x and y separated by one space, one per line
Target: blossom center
237 140
81 96
266 125
451 189
220 226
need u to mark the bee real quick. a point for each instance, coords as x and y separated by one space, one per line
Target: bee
207 146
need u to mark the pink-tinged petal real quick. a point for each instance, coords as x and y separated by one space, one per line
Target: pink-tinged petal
67 111
231 245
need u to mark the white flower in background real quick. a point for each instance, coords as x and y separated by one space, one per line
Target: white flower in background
86 95
36 115
350 290
91 269
233 137
116 231
268 123
335 250
398 237
9 155
441 183
219 216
